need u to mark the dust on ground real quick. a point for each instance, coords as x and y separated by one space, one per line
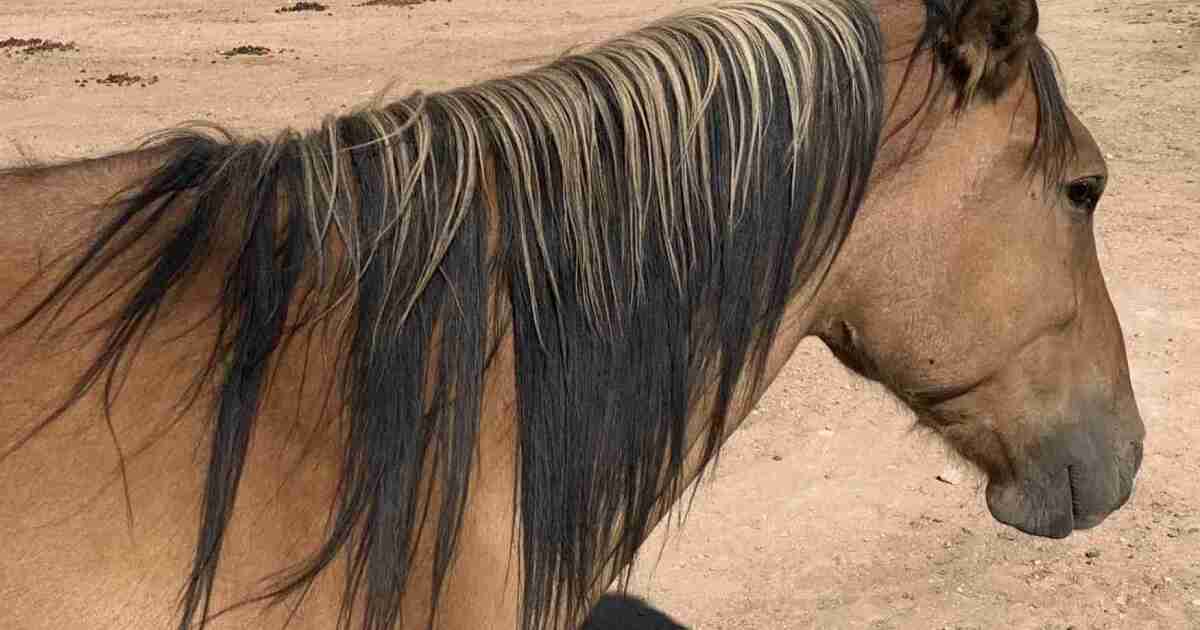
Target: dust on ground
825 511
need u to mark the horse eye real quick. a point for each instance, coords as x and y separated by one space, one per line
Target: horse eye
1085 193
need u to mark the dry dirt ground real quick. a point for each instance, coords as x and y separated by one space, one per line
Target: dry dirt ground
825 511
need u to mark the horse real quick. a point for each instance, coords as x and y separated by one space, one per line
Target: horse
444 361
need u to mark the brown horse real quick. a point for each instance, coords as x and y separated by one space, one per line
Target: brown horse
497 331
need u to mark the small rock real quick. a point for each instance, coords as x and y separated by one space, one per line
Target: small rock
778 458
1093 553
952 474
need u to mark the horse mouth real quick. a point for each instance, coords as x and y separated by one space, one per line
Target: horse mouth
1081 518
1075 497
1045 509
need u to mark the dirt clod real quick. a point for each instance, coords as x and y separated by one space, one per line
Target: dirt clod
48 47
36 45
302 6
247 50
122 79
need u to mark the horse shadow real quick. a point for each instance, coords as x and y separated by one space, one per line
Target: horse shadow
616 612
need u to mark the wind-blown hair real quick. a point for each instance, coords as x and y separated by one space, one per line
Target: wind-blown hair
636 216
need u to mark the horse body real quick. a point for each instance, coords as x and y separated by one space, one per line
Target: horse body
966 285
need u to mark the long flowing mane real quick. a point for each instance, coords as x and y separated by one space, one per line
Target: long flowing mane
635 216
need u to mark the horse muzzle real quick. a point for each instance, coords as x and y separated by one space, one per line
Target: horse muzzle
1082 477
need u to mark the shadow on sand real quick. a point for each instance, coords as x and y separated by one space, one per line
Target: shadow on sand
615 612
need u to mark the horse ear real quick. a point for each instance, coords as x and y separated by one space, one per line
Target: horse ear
988 44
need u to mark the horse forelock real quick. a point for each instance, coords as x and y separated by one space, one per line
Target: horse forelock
659 200
1053 146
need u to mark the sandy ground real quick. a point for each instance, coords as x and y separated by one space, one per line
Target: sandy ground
825 511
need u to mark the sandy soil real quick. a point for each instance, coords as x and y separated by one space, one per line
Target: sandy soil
825 512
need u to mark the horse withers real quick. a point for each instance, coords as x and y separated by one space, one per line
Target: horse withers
446 361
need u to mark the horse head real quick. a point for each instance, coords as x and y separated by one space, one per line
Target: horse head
970 284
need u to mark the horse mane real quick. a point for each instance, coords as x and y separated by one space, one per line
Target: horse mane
658 201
